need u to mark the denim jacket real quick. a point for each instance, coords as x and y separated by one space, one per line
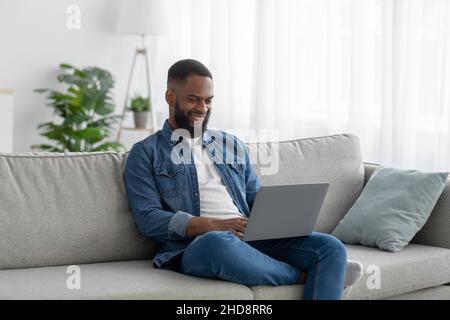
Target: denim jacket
162 186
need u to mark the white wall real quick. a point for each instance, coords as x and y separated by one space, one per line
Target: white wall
34 40
6 120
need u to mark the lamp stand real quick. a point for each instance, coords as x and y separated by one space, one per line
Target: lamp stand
139 51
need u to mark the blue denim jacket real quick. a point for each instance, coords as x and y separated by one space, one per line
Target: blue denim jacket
162 186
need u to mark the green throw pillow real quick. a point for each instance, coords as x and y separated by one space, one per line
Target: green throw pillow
393 206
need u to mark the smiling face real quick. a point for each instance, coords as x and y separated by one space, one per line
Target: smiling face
190 103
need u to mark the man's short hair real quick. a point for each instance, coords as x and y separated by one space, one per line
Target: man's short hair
180 70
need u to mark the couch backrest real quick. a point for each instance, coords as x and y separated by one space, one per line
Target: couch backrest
65 209
335 159
435 232
58 209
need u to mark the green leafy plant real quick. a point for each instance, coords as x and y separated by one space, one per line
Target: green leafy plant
139 104
85 110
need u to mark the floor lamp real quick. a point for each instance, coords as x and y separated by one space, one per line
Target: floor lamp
141 18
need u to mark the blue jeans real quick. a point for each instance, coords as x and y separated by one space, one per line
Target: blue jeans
222 255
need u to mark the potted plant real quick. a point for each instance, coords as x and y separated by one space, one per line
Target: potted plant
141 107
85 109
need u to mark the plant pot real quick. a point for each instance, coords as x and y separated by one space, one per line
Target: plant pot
140 119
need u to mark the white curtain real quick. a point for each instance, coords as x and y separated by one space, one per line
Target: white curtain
379 69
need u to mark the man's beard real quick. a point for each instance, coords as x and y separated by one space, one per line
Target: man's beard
183 121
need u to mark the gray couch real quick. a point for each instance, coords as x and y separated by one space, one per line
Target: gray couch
58 210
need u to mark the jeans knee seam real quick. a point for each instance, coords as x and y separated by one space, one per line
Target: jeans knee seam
316 281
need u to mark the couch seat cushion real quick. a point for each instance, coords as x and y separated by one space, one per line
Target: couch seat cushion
116 280
414 268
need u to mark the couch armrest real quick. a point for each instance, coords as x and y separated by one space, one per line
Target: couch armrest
436 231
369 168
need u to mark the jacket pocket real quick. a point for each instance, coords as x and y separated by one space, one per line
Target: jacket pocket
168 178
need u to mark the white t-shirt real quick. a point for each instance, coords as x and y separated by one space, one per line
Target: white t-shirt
215 201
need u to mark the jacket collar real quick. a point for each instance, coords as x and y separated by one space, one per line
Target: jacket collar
167 132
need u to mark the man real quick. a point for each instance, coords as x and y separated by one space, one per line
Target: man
196 205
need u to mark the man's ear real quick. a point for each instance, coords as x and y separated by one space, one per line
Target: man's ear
170 97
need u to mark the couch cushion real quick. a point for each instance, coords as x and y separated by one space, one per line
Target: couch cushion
415 267
393 206
435 293
335 159
58 209
115 280
435 231
293 292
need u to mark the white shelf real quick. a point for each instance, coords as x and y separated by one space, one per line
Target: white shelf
130 136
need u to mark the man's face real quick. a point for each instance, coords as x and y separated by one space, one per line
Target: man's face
190 103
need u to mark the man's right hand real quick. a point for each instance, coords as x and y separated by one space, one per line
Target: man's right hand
201 225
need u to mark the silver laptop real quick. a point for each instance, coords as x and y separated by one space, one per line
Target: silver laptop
285 211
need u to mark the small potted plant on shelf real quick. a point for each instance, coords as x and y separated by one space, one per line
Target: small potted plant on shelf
141 107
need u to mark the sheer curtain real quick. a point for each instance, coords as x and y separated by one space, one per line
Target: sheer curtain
379 69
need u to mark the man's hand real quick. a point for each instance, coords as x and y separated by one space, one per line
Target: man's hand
200 225
235 225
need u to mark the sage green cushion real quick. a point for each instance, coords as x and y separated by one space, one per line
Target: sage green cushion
393 206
